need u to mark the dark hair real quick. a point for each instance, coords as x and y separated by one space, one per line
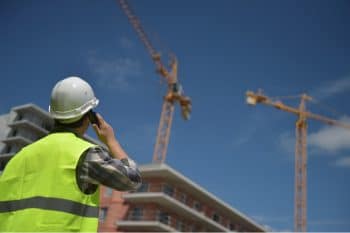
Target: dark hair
72 125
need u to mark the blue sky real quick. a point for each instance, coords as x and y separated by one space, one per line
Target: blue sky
241 154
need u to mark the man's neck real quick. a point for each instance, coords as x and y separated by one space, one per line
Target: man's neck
77 131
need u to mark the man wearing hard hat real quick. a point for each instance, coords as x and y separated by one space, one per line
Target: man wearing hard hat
53 183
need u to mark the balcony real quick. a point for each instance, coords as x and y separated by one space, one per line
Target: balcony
177 207
19 140
13 145
199 196
33 109
149 220
6 156
144 226
30 126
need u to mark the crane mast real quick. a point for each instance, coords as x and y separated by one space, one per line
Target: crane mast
300 168
174 94
300 186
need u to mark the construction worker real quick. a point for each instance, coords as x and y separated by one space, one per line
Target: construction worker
53 183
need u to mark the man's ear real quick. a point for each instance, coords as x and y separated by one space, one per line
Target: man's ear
86 119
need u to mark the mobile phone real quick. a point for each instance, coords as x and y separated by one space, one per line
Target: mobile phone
93 118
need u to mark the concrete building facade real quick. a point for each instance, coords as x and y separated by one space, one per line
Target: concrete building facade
167 201
21 126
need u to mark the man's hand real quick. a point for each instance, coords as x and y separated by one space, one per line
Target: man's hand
104 132
106 135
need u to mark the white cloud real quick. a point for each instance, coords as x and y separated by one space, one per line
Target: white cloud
287 142
343 162
328 140
116 73
126 43
142 135
332 88
244 137
331 138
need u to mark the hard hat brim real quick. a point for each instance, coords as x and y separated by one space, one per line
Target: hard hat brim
74 113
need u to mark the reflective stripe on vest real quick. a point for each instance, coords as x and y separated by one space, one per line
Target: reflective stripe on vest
49 203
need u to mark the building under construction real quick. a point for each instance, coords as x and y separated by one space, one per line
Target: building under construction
167 201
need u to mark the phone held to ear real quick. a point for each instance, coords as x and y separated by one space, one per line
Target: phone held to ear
93 118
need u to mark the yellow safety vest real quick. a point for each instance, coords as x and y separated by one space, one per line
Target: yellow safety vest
39 190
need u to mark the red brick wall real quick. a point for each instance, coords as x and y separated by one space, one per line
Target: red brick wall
117 210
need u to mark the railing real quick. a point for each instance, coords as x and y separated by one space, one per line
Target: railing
164 188
175 193
163 217
150 215
186 200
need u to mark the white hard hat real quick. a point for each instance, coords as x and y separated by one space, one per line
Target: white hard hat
71 98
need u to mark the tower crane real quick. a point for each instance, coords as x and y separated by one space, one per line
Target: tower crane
300 190
175 93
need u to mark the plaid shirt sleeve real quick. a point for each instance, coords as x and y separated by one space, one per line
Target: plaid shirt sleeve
97 167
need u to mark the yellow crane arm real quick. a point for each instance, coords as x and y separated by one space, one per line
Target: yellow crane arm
174 94
136 24
300 148
254 98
